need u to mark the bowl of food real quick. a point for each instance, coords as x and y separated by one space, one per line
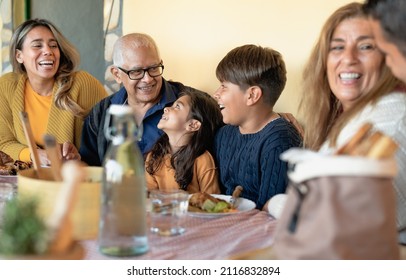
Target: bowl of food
86 211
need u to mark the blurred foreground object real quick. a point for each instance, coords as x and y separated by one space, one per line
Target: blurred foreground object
25 235
338 207
60 223
85 216
23 232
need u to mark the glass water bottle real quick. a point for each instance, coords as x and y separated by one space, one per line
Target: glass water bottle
123 226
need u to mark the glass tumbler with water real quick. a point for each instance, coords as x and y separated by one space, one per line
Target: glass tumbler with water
123 226
168 211
7 192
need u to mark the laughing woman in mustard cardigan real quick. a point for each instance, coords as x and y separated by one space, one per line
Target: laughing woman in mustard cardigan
45 84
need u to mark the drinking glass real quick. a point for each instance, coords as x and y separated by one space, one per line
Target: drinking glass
7 192
168 211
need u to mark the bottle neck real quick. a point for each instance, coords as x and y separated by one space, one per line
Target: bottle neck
122 128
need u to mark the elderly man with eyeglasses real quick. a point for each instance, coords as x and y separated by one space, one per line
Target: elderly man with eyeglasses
139 68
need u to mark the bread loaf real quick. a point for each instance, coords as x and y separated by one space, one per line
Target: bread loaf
374 145
5 158
355 140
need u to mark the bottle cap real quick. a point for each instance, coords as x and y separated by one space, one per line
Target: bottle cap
120 110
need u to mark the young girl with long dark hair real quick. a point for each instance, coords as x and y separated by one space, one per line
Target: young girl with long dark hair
181 158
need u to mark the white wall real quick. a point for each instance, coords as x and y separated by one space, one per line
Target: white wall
194 35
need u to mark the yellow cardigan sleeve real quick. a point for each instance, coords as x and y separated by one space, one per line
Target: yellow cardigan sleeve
12 138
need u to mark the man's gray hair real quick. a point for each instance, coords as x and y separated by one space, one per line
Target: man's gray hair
129 42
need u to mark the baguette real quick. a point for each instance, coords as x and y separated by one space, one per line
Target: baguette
385 147
5 158
355 140
374 145
59 223
363 148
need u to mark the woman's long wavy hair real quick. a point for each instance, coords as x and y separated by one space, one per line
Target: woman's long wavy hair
322 112
69 61
205 109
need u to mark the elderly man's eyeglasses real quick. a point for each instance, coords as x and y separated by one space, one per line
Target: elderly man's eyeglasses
138 74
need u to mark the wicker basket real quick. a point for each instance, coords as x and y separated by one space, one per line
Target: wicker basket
86 213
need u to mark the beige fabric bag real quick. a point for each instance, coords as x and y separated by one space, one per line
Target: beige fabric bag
338 207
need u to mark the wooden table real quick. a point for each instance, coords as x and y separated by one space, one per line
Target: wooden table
205 238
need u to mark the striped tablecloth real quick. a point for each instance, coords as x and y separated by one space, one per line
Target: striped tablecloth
206 238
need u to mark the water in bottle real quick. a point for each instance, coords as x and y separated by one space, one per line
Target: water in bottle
123 227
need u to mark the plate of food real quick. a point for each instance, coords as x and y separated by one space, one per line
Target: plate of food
216 205
10 167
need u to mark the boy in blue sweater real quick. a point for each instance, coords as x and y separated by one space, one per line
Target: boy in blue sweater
247 148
